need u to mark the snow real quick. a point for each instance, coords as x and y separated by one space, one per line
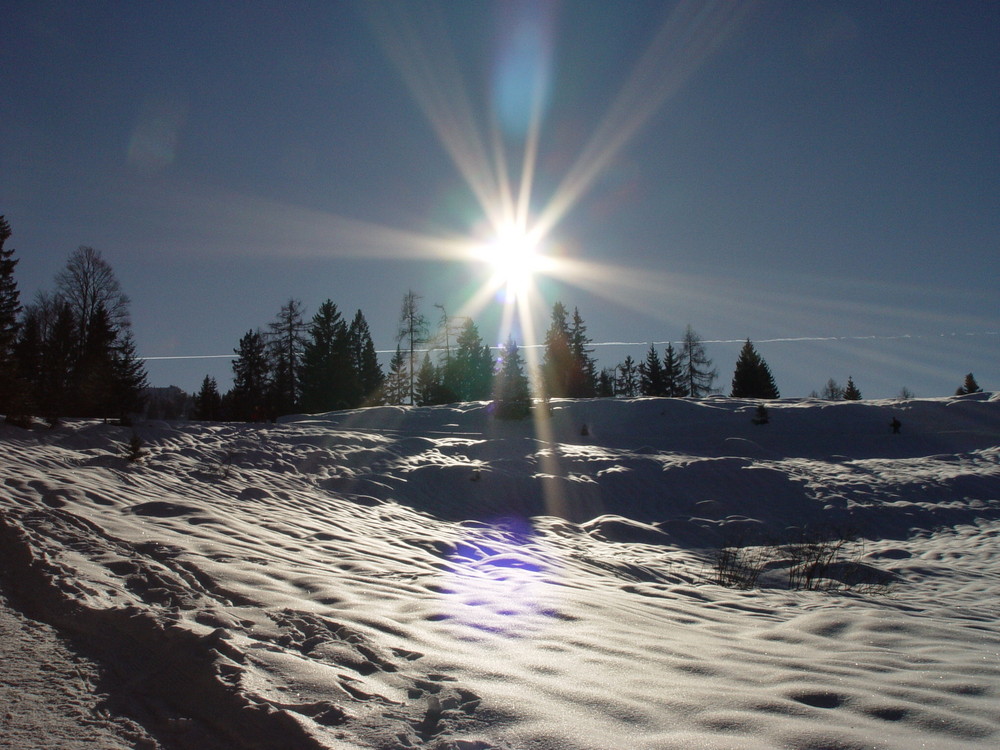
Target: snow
401 577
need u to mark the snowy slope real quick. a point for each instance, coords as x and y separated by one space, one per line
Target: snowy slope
431 577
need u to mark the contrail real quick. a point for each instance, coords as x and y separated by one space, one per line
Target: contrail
785 340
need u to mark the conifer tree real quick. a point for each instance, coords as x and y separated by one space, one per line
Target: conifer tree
583 371
286 343
752 378
396 381
130 379
249 397
14 389
968 386
364 360
94 371
851 392
329 380
426 385
208 402
673 375
557 362
511 395
606 383
470 374
10 306
627 382
697 376
651 374
60 352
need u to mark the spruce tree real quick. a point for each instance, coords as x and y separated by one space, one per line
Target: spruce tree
627 382
60 352
752 378
329 380
10 306
606 383
651 374
130 379
14 389
396 381
470 373
364 360
673 374
557 362
426 386
968 386
697 376
94 371
511 395
851 392
208 402
249 397
583 372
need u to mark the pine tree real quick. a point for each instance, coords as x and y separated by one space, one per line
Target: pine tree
557 362
851 392
249 397
208 402
59 355
426 386
673 374
752 378
286 343
651 374
583 372
130 380
696 376
396 381
10 306
470 373
364 360
328 376
94 371
627 382
969 386
606 383
511 395
14 389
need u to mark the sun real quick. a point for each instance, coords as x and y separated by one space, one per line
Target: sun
514 256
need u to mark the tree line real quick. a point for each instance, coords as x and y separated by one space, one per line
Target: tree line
70 352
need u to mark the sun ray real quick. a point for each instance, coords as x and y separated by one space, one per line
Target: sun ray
690 34
438 89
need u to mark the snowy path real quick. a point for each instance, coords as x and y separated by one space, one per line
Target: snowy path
49 694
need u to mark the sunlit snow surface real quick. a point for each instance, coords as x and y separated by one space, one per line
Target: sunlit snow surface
397 577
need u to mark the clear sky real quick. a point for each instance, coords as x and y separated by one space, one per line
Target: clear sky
823 178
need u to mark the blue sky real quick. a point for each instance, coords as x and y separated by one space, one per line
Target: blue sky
823 178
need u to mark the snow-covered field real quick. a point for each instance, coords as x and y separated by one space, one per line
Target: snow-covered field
431 577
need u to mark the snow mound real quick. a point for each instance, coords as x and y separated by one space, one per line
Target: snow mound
400 577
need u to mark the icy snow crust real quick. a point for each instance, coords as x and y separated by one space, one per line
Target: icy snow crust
431 577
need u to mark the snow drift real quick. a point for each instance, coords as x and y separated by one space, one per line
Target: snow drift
433 577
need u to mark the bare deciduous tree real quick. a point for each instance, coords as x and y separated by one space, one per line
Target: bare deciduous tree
87 283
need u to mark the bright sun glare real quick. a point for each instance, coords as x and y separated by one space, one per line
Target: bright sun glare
514 257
